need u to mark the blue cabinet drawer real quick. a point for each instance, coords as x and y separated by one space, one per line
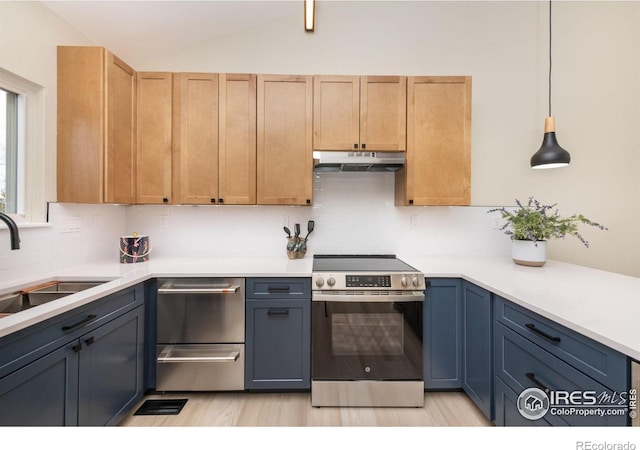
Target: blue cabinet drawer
270 288
594 359
522 364
506 409
24 346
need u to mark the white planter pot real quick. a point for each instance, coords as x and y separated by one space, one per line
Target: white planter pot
529 253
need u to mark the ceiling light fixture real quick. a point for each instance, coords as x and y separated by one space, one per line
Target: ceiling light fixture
550 155
309 15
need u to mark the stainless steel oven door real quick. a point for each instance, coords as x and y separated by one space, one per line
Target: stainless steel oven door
367 336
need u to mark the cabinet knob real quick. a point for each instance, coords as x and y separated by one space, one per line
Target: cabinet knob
364 146
411 202
355 146
220 200
213 200
308 201
165 200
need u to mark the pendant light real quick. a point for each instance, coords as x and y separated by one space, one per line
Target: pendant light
550 155
309 15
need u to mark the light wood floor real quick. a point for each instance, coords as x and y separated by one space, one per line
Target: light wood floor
295 410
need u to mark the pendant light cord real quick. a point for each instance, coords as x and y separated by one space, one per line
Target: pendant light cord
549 58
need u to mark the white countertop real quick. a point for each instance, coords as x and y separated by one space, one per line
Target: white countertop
601 305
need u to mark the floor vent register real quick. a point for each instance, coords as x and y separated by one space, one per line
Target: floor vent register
161 407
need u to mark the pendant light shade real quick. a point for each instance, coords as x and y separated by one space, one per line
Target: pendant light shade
550 155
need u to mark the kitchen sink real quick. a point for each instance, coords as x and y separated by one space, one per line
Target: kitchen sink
41 294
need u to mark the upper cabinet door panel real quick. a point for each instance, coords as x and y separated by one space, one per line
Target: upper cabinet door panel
383 113
438 168
336 112
155 108
120 148
284 154
81 108
195 140
237 149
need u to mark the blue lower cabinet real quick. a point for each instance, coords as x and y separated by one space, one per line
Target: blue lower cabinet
573 398
443 334
43 393
90 374
506 408
278 344
111 370
477 345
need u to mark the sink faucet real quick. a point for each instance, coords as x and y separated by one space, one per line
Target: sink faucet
13 231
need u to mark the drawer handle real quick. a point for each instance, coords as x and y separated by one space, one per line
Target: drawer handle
221 290
231 357
533 328
277 289
531 376
278 312
87 319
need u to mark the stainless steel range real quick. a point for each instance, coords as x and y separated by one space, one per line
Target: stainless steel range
366 331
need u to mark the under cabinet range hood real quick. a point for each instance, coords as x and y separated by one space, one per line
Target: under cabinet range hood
349 161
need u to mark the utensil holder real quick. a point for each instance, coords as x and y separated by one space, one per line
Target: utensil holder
296 247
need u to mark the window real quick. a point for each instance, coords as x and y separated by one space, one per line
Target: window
8 151
23 175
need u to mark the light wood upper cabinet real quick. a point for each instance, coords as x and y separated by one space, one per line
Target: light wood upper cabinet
195 138
284 145
154 131
237 141
438 164
365 113
96 140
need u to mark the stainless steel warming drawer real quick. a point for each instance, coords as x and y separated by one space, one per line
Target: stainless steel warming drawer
200 335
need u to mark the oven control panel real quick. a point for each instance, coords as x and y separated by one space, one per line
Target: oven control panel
367 281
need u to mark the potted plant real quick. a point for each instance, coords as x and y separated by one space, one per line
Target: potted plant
532 225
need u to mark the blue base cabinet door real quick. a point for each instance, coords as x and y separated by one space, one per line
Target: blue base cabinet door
477 343
278 344
43 393
442 323
111 370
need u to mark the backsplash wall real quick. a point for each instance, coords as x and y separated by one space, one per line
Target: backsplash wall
76 234
353 213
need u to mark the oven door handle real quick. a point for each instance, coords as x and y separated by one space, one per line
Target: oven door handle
200 290
349 297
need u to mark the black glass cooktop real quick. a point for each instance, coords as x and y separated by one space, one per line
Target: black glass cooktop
360 263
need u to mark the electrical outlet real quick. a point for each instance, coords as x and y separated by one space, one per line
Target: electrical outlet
97 222
163 221
414 221
497 223
70 224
